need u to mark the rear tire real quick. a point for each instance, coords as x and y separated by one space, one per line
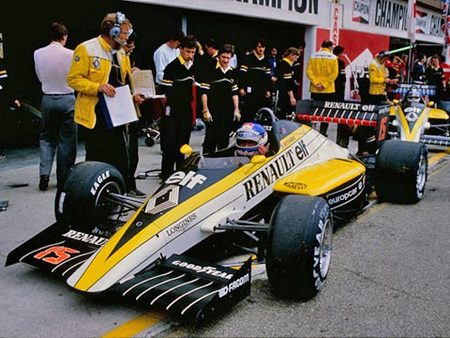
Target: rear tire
401 171
83 200
299 247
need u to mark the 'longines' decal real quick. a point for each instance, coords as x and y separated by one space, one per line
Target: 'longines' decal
181 225
276 169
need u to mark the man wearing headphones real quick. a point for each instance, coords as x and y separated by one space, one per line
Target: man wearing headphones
97 71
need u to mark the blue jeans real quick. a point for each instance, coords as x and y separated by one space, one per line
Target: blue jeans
58 135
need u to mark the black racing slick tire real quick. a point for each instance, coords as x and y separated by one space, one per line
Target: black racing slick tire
84 199
299 247
401 172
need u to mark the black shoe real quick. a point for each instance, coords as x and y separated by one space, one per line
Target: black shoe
43 182
137 193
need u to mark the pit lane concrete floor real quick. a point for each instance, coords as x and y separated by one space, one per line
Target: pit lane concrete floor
36 305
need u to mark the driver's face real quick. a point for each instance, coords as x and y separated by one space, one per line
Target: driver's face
246 143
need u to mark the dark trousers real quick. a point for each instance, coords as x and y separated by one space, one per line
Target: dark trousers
58 136
109 146
323 97
133 129
284 106
366 135
175 132
251 102
218 131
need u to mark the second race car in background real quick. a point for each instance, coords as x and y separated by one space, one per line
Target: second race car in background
415 118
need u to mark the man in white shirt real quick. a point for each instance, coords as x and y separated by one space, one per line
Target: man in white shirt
165 54
59 131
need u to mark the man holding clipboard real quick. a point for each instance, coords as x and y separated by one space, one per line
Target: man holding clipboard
105 105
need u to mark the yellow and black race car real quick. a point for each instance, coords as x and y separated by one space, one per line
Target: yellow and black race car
415 118
278 209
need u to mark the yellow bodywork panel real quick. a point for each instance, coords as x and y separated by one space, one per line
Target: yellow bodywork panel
392 110
320 178
433 114
438 114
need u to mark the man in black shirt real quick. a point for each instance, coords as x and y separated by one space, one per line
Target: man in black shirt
418 73
254 81
435 76
220 102
285 83
176 122
343 132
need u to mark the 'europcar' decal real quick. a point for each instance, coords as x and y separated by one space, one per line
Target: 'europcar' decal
189 180
346 195
276 169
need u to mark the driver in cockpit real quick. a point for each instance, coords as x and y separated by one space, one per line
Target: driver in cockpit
251 139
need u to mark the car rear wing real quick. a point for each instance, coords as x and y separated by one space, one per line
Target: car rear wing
187 288
345 112
424 90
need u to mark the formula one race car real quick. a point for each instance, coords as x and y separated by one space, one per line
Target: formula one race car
414 118
277 208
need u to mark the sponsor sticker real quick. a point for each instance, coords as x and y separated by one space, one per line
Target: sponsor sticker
181 226
84 237
234 285
295 185
98 181
208 270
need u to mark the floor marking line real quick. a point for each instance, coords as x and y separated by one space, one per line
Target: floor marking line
136 325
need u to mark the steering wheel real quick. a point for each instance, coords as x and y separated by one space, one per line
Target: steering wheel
265 116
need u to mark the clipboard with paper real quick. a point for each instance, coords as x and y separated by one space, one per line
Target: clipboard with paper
119 109
143 83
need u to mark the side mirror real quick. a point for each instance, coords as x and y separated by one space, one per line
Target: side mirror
257 159
396 101
186 150
430 104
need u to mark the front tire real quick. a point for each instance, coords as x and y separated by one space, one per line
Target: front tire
299 247
84 198
401 171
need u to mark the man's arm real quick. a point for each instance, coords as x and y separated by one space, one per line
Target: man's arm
159 66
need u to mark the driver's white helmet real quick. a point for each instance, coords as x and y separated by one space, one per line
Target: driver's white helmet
413 96
249 137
